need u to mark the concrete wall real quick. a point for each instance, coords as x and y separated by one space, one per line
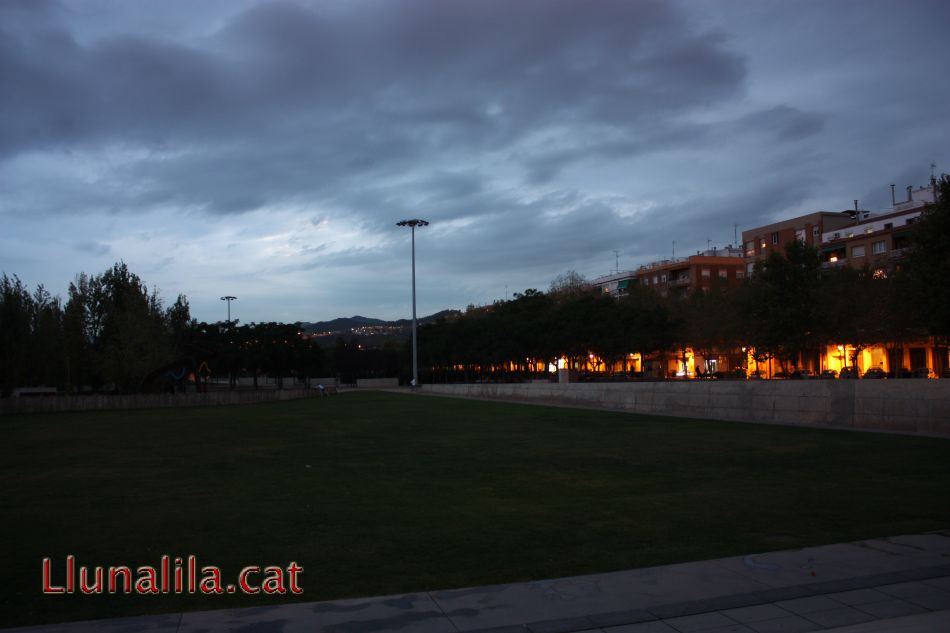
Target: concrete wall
918 406
377 383
37 404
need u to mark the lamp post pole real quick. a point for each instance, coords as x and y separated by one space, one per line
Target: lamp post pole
412 224
229 299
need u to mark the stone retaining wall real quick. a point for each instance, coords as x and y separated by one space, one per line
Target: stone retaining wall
38 404
377 383
916 406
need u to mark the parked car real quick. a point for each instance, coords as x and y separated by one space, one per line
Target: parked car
922 372
828 374
779 375
874 373
802 374
848 372
945 373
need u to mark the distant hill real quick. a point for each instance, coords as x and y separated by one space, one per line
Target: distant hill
373 332
343 324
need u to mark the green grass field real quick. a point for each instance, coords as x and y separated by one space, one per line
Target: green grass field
377 493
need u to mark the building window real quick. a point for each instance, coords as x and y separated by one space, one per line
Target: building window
663 277
775 237
800 235
815 231
879 247
749 268
889 225
656 280
706 272
723 273
750 249
880 273
739 274
857 251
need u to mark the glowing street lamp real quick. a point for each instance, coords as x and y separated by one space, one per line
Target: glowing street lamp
412 224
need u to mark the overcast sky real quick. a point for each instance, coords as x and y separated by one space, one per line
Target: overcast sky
267 149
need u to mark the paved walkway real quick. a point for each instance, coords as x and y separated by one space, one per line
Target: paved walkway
894 585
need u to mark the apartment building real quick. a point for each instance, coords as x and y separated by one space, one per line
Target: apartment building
704 270
615 284
860 239
761 241
877 241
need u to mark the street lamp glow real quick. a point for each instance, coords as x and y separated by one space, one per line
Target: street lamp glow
412 224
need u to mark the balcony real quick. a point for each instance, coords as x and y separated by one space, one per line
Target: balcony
843 261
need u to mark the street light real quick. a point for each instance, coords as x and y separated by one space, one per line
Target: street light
412 224
229 299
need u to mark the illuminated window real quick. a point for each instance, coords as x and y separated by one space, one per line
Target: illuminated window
857 251
879 247
880 273
833 259
763 244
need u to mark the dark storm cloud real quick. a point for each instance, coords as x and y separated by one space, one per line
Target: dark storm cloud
351 90
536 135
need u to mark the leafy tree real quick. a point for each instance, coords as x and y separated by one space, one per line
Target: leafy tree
16 308
929 262
712 322
781 306
570 282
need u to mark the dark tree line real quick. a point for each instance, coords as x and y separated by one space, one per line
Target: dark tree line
114 334
790 308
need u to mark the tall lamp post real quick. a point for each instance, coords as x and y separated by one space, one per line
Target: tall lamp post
229 299
412 224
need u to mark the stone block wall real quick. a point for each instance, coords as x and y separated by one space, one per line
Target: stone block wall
916 406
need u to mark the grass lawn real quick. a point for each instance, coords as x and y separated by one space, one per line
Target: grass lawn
376 493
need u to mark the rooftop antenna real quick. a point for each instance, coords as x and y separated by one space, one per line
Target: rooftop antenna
708 242
617 261
735 235
933 166
674 249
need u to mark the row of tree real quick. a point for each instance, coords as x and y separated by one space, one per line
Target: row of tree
789 308
114 334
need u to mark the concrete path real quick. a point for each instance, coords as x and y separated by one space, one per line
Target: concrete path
899 584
